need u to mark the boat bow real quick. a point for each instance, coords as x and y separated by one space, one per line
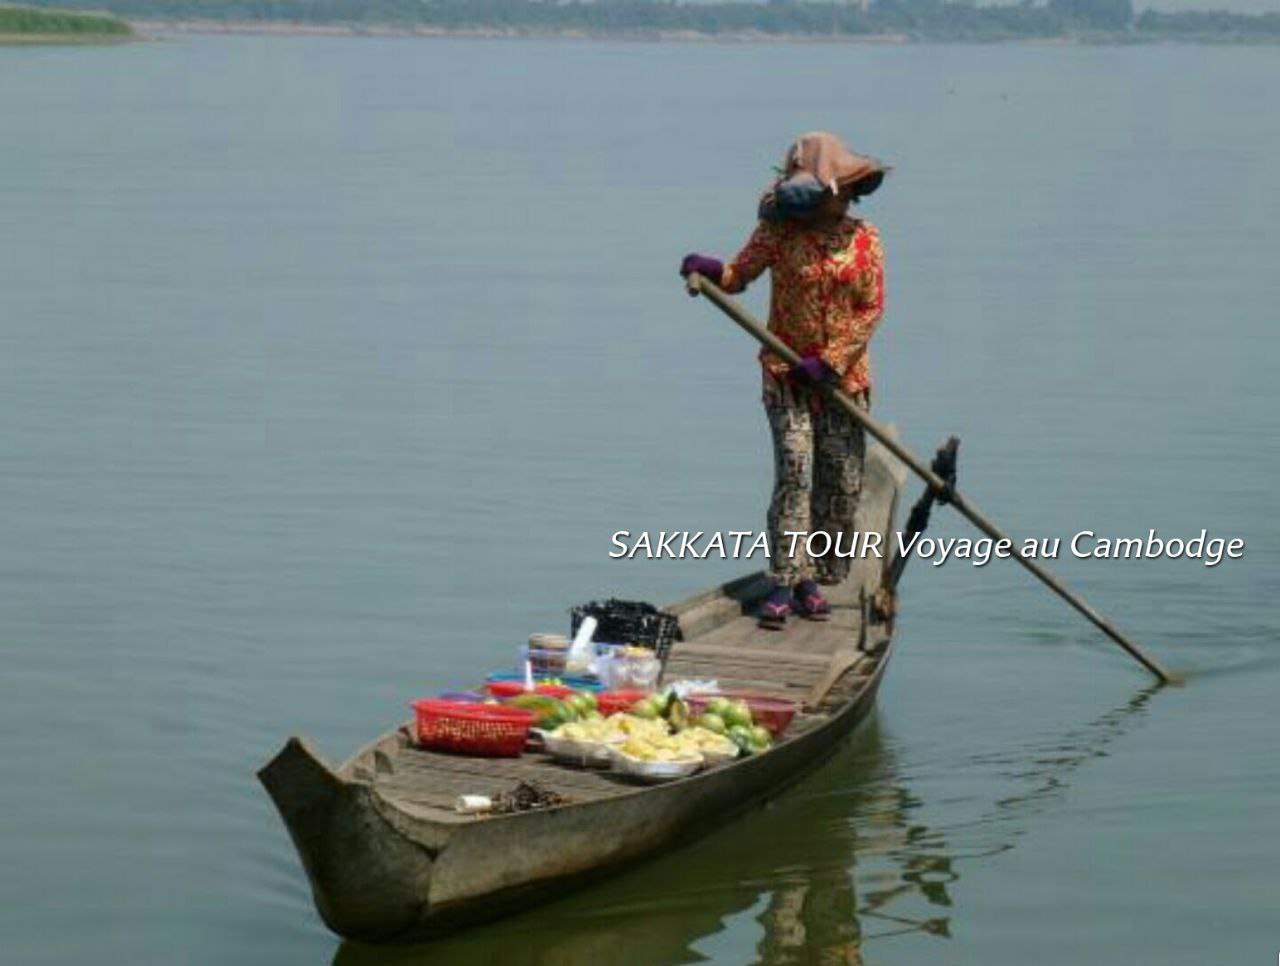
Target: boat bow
369 882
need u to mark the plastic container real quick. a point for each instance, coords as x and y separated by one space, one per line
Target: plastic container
466 697
578 660
511 689
576 683
546 662
653 771
546 653
553 641
572 751
621 671
478 730
773 714
611 702
629 622
717 756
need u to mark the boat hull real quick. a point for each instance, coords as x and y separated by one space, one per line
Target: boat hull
369 881
391 862
380 874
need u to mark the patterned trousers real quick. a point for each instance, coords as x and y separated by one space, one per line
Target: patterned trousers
817 461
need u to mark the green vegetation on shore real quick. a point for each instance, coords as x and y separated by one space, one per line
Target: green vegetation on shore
20 24
1087 20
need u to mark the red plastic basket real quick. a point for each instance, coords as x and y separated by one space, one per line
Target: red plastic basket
511 689
480 730
611 702
773 713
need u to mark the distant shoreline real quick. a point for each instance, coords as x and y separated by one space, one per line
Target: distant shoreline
29 26
294 28
300 29
23 40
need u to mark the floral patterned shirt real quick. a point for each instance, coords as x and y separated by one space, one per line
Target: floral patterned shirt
828 293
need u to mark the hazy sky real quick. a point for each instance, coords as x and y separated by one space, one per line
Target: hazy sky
1249 6
1242 6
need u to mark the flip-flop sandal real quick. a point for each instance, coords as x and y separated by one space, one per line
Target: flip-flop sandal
811 605
773 617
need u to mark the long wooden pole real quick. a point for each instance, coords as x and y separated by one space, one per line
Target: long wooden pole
697 284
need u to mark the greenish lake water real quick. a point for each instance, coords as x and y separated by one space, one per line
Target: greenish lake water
328 365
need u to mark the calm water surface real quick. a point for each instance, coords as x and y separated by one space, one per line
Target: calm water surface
328 365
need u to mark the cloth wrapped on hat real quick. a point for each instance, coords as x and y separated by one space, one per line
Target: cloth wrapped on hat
818 164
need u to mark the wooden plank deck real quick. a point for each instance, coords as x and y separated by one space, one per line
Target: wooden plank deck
740 654
723 643
737 654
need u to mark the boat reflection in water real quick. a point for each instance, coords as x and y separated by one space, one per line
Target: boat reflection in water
838 862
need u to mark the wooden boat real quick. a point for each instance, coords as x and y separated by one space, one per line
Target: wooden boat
390 860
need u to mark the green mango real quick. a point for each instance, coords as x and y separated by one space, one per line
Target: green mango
712 722
648 709
718 706
740 735
737 713
533 702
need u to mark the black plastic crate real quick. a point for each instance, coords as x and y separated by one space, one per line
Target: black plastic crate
629 622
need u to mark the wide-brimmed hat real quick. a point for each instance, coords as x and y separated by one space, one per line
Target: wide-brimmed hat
818 164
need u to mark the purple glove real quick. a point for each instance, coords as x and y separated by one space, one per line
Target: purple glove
709 268
813 369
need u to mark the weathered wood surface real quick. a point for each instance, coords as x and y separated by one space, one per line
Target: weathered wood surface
389 860
735 652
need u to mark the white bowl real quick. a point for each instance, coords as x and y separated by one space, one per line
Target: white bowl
654 771
716 757
572 751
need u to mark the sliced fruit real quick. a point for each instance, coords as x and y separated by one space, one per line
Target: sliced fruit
677 712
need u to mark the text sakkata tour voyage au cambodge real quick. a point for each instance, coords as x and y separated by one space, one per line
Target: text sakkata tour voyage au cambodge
1084 544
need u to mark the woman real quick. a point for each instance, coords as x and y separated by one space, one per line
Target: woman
827 296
